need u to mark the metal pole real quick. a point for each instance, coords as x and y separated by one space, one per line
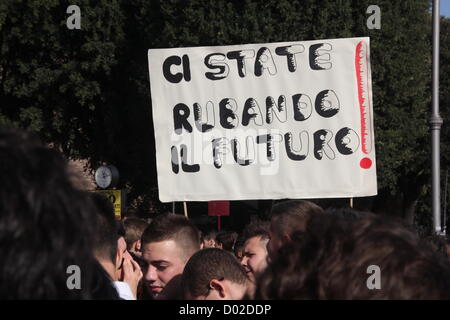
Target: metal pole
445 203
436 123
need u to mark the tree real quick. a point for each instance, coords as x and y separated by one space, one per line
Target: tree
54 80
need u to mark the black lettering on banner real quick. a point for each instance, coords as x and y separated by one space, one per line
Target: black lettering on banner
186 68
202 126
290 52
184 165
219 149
214 61
318 60
293 154
264 61
240 56
180 118
228 118
302 106
176 77
347 141
175 160
327 103
322 138
269 139
252 112
279 110
250 152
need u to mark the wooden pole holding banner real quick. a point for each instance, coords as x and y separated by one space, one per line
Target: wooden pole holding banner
351 203
185 209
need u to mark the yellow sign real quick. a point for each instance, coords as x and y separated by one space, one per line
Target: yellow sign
115 196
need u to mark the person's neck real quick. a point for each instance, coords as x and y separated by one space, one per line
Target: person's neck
109 267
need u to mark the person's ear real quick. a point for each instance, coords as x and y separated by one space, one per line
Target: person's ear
218 286
138 245
118 257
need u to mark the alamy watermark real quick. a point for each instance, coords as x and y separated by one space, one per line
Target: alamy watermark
374 280
374 21
74 20
74 278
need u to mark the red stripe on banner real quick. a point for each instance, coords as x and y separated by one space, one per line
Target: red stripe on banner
361 65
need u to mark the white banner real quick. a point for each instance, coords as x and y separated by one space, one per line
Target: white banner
264 121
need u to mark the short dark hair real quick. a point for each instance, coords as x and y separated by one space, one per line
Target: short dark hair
330 260
105 244
211 235
209 264
227 239
46 224
438 243
175 227
348 214
292 215
256 228
134 228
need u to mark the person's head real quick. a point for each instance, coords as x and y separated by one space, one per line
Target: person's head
239 248
254 258
122 253
134 228
368 258
109 244
286 218
209 240
105 244
438 243
347 214
46 224
214 274
225 240
167 244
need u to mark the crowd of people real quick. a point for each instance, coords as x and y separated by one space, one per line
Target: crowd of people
300 252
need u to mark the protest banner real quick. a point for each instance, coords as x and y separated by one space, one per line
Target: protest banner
264 121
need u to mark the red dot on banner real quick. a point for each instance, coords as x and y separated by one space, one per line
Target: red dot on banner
365 163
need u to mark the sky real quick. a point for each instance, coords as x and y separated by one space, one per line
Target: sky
445 8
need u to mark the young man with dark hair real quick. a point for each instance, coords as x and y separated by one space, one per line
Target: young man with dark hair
226 240
167 244
208 240
214 274
111 251
367 258
134 228
256 237
286 218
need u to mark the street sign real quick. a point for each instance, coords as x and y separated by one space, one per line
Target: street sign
117 198
219 208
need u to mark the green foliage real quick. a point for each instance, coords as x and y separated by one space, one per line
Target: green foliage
52 79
